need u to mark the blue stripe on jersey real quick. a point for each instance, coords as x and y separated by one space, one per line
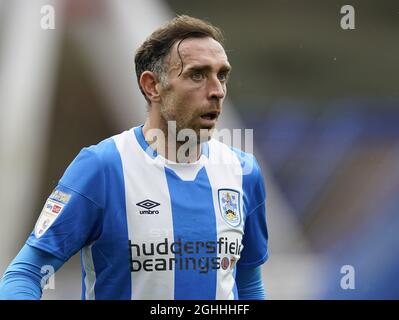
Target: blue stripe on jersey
112 249
254 195
235 291
193 220
83 294
252 185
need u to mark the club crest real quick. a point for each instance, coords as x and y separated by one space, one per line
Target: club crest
229 204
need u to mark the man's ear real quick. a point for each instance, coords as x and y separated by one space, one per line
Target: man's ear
148 82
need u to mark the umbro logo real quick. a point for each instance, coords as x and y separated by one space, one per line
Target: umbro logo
148 205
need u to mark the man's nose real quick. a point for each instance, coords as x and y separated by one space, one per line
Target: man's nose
217 90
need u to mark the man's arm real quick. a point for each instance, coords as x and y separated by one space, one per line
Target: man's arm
22 279
249 283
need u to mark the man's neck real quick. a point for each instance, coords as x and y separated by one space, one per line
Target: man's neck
164 142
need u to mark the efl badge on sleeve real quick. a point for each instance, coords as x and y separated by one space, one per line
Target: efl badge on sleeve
230 206
51 210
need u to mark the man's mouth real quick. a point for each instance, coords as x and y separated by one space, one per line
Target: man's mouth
210 116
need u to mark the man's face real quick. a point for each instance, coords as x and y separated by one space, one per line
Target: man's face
194 94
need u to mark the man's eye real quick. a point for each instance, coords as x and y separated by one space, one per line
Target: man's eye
197 76
222 76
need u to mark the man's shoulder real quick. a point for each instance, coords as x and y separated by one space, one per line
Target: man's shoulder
223 148
104 152
108 147
246 159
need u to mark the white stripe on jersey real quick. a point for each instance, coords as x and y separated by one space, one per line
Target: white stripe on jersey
223 170
154 187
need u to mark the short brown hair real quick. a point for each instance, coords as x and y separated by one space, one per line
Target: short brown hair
150 55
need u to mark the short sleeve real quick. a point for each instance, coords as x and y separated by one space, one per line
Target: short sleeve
72 215
255 239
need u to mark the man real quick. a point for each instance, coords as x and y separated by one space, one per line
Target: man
153 222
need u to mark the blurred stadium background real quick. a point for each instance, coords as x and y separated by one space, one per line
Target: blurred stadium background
323 103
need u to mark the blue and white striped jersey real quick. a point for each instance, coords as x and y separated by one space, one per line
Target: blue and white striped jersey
151 229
